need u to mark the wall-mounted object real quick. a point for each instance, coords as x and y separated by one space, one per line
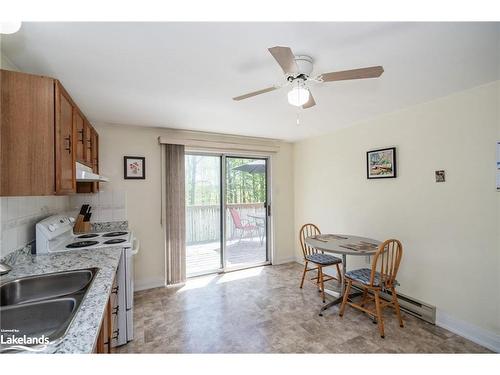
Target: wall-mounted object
381 163
498 166
134 168
440 176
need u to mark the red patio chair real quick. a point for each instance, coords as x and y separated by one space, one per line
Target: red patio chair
242 226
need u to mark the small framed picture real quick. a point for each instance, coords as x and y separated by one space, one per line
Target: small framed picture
134 168
381 163
440 176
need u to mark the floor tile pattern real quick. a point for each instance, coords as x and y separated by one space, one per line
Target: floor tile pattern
262 310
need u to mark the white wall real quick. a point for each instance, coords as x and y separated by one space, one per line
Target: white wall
450 231
5 62
143 196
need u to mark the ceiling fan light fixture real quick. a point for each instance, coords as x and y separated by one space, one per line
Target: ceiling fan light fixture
9 27
298 95
297 70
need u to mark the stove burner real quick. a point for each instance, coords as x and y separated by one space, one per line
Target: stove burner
90 235
78 244
114 240
114 234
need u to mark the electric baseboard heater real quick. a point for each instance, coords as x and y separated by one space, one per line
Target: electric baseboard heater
412 306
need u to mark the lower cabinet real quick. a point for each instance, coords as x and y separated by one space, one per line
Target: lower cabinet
108 324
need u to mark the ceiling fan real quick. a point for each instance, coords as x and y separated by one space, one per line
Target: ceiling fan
298 71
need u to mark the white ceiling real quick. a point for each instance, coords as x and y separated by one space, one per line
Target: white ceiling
183 75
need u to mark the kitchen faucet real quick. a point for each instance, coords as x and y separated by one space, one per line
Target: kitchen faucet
4 268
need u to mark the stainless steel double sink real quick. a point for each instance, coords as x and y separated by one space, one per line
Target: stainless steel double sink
42 305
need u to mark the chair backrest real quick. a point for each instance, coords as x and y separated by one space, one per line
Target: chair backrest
386 261
308 230
236 218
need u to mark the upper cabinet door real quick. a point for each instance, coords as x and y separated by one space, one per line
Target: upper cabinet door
88 143
26 134
95 158
80 136
64 142
95 151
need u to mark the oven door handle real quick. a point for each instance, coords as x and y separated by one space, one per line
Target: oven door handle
136 245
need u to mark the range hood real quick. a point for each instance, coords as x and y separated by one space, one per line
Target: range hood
85 174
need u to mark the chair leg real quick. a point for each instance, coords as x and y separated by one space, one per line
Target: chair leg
322 286
365 296
396 306
304 275
346 296
339 274
379 314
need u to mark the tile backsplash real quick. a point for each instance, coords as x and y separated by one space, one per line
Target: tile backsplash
109 205
18 216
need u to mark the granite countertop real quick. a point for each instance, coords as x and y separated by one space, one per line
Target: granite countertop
83 331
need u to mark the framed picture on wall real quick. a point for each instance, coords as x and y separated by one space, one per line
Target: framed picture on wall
134 168
381 163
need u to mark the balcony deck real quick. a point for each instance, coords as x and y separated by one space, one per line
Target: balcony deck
205 257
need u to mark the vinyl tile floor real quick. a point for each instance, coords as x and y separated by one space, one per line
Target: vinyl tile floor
262 310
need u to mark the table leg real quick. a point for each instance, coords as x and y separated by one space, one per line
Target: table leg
342 284
342 289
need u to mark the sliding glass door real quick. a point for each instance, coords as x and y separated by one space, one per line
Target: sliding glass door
226 213
246 214
203 214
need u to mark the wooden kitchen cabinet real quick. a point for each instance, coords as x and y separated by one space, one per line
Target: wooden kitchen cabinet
64 142
42 134
95 158
91 158
108 324
26 134
103 344
88 143
80 136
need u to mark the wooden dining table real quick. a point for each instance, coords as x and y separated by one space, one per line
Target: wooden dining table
342 244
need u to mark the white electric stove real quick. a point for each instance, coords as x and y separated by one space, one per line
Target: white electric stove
55 234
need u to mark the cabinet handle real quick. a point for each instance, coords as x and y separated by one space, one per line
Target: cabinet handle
68 138
81 133
115 310
115 290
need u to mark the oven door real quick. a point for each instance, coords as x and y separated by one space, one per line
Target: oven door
129 266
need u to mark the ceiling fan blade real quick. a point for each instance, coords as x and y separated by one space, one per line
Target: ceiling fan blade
285 58
371 72
250 94
310 103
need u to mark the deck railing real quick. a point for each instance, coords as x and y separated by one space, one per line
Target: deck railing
203 222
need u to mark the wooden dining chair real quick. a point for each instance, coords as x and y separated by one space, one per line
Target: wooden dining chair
381 277
318 258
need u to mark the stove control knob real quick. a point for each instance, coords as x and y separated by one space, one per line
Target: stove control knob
52 227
